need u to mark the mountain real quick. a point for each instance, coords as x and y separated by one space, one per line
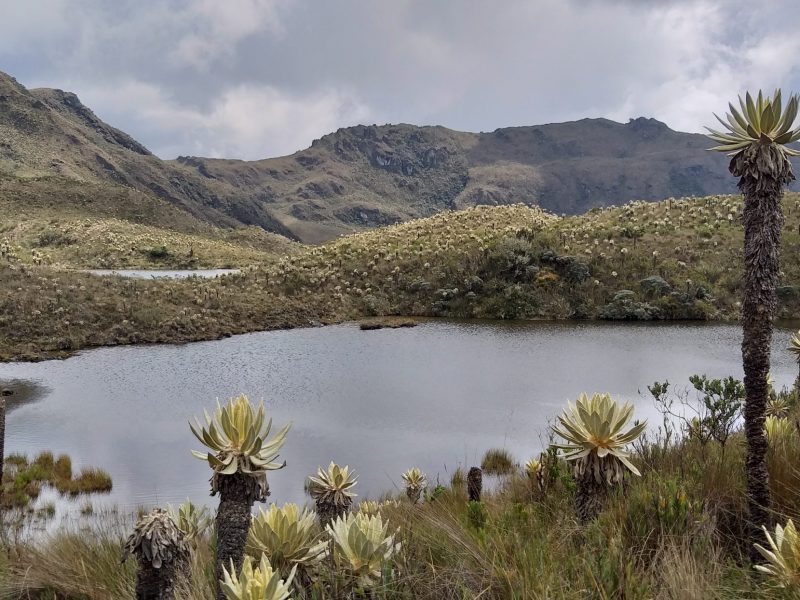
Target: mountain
49 134
365 176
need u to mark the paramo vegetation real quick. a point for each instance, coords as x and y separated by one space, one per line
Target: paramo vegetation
676 259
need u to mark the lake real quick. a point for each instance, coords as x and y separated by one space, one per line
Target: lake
434 396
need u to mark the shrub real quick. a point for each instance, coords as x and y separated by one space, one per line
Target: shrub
158 253
62 469
89 481
623 307
55 238
437 493
477 515
655 286
45 460
573 270
656 510
511 260
722 400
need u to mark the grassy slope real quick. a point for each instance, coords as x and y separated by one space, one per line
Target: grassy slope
51 226
49 133
63 223
516 262
500 262
114 243
50 313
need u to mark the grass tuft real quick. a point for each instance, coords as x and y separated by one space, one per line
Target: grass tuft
497 461
23 480
62 468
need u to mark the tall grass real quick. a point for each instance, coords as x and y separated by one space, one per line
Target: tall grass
73 563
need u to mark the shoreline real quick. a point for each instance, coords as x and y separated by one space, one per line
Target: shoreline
48 354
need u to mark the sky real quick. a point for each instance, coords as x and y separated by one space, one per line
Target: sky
259 78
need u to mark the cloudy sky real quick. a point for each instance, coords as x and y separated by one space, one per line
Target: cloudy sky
258 78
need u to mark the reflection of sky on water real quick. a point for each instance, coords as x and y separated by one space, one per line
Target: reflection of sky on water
435 396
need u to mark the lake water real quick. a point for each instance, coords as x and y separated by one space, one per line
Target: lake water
435 396
163 274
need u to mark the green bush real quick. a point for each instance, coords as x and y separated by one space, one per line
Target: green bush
158 253
655 286
623 307
477 515
511 260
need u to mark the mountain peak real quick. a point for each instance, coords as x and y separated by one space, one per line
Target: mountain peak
366 175
647 127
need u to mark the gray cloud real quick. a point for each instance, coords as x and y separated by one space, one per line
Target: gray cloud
256 78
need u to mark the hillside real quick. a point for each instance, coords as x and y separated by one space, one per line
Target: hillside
63 222
676 259
48 134
363 176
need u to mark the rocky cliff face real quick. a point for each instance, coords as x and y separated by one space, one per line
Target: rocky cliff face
366 176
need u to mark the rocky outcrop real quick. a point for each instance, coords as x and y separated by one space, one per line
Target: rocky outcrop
67 102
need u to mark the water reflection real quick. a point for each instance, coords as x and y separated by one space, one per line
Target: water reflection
17 392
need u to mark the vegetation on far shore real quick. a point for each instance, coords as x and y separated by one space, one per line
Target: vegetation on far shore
676 259
47 313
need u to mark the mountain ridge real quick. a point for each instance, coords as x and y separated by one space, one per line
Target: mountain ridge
366 175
